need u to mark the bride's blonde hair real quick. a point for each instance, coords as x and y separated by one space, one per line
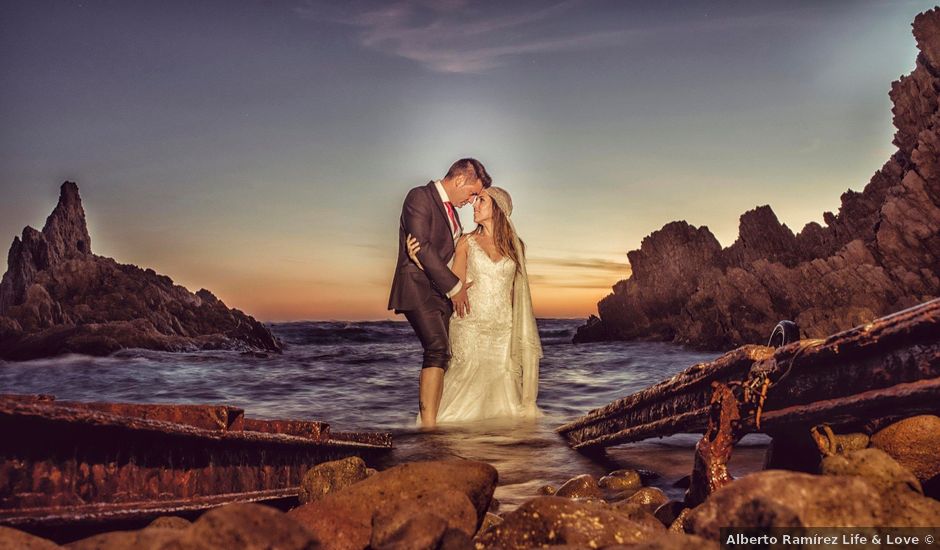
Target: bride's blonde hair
502 230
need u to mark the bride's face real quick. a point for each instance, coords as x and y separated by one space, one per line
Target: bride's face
483 208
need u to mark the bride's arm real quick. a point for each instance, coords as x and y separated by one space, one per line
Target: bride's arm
460 259
460 299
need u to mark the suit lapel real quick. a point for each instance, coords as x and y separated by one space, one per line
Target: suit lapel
436 198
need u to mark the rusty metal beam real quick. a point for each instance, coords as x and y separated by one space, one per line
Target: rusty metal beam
66 463
880 356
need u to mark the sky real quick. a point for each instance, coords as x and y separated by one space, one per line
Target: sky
261 149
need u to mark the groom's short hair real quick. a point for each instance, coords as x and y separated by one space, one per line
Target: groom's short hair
467 165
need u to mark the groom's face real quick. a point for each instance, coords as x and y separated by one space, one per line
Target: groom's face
467 190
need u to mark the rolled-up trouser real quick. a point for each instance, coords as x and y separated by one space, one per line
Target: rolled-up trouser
431 324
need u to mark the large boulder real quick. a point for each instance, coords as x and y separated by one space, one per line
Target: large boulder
649 498
244 526
621 481
554 520
344 519
582 486
331 476
777 498
14 539
915 443
670 541
875 466
452 506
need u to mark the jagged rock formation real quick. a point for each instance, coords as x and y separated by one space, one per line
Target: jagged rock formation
879 254
58 297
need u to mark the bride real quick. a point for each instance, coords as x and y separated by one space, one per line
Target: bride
495 347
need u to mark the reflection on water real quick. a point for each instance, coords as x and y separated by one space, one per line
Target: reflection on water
363 376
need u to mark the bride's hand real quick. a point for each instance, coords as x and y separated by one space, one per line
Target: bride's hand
413 248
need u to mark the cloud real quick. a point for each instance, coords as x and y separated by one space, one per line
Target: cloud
580 273
455 36
591 264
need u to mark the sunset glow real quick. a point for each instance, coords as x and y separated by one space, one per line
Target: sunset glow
262 149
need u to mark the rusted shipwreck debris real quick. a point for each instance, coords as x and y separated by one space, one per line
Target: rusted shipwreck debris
859 379
75 466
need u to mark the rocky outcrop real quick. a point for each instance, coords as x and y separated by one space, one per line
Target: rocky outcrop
58 297
880 253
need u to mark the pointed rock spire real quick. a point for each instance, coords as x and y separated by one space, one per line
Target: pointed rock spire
65 229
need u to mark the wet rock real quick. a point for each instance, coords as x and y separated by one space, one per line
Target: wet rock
144 539
455 539
650 498
638 513
331 476
453 506
680 525
421 531
58 297
170 522
875 465
489 520
343 519
851 442
621 481
547 490
557 520
582 486
915 443
775 498
14 539
249 527
494 506
244 526
669 511
877 255
671 541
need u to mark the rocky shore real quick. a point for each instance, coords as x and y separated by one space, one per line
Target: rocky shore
880 253
58 297
876 481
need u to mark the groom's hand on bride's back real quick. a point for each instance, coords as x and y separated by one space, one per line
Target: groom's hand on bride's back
461 303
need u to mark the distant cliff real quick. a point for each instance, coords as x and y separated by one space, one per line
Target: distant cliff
58 297
879 254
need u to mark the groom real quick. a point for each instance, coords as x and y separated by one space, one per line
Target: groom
428 297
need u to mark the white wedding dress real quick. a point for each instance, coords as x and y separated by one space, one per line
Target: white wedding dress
480 382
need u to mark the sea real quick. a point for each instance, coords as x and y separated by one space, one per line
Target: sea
364 376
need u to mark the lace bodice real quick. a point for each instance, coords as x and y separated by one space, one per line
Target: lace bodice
491 294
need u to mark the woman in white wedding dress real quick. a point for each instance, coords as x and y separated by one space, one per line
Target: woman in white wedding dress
495 347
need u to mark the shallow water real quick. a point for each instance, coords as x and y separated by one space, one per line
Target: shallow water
364 376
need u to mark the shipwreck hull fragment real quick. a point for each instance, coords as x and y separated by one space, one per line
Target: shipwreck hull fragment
885 369
69 465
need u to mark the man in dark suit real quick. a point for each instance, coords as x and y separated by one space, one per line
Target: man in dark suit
428 297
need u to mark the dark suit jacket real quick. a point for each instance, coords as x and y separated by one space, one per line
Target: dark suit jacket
423 215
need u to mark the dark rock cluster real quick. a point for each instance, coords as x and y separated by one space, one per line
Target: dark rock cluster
58 297
879 254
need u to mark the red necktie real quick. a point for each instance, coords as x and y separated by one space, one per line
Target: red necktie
453 218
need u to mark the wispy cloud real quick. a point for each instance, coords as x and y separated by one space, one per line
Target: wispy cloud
585 273
456 36
590 264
